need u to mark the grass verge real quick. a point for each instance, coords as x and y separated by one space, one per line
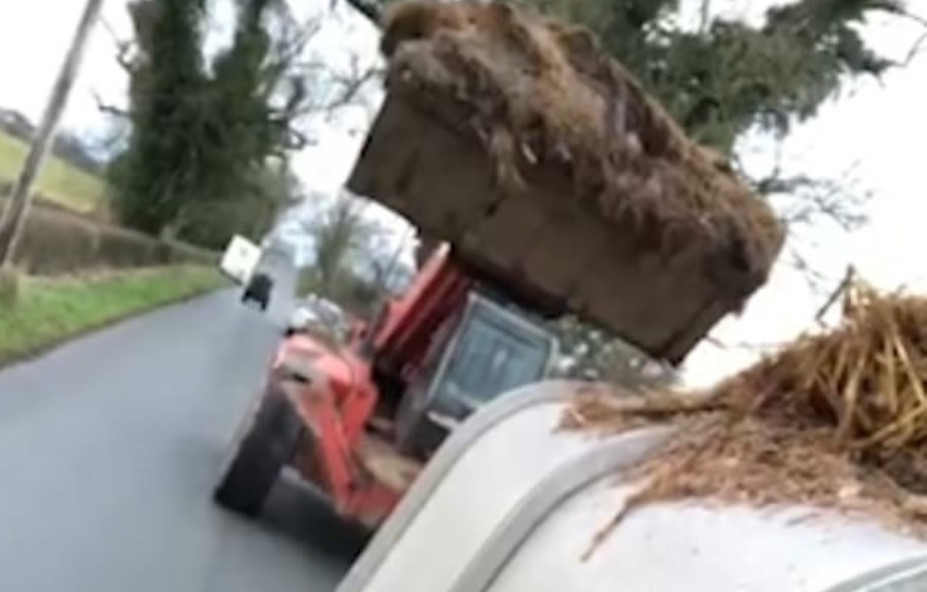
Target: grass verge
49 311
59 182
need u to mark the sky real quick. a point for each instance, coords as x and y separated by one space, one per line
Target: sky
875 129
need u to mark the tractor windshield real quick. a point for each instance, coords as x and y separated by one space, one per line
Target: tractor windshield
493 351
496 350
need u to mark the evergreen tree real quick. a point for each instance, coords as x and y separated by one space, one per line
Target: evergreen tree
155 177
207 154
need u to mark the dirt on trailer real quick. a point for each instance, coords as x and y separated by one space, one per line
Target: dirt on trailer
562 172
836 421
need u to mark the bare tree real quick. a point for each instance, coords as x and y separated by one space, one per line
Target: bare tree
339 232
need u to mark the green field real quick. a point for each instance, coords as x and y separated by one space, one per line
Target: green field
58 182
49 310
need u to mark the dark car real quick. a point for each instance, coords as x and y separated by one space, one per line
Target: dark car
258 290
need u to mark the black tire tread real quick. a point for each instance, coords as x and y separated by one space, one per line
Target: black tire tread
260 456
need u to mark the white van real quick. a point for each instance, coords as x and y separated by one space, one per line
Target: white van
240 259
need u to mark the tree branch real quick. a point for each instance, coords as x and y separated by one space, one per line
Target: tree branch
351 84
369 8
838 291
109 109
704 15
918 45
915 49
123 47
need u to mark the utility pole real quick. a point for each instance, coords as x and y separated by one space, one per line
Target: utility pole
14 215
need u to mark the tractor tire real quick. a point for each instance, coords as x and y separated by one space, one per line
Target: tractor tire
258 456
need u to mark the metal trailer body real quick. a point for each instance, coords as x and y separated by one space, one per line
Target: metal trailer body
512 503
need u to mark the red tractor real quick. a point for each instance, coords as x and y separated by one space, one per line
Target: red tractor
358 421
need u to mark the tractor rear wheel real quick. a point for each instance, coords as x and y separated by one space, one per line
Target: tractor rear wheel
257 457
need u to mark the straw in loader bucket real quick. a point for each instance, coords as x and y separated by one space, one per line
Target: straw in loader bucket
547 167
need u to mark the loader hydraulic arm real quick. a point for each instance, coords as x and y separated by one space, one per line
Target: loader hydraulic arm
402 337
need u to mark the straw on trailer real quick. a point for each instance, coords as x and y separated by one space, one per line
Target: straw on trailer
836 420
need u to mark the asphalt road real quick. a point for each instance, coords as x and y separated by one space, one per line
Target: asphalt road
109 447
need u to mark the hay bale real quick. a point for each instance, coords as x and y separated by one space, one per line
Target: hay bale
538 94
836 420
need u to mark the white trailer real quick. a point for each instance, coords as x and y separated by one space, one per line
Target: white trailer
240 259
511 503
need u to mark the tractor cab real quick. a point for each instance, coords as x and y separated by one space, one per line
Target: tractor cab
487 350
453 341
